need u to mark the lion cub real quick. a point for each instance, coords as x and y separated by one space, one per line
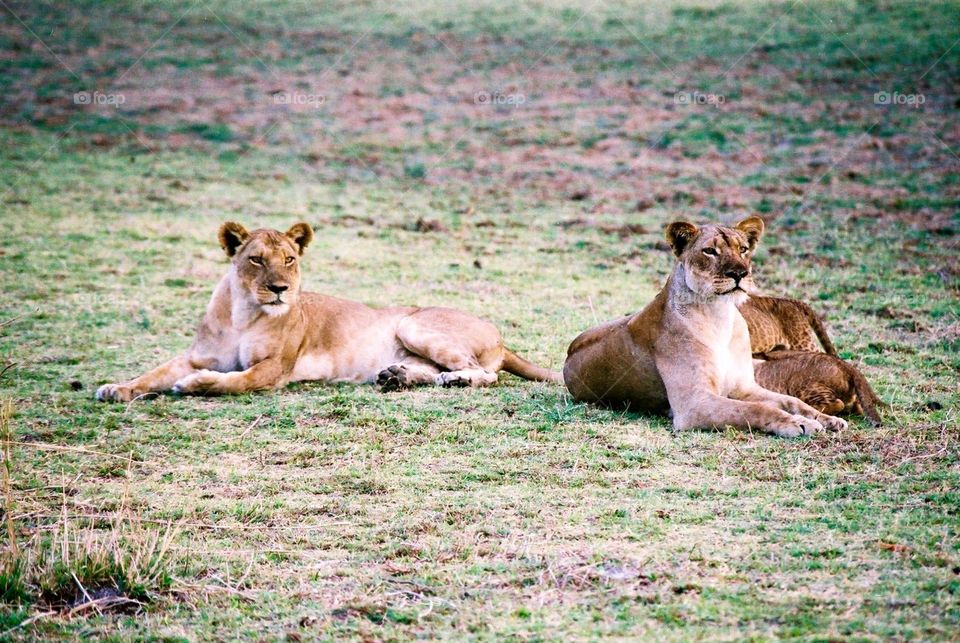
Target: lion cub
779 323
689 351
825 382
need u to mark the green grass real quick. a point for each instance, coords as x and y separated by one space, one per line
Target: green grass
510 512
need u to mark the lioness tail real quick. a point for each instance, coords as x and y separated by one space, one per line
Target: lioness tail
513 363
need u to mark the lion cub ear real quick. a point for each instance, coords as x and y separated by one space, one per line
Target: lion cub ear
680 234
301 234
753 228
232 235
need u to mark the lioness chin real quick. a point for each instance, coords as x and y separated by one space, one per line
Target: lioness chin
261 332
688 352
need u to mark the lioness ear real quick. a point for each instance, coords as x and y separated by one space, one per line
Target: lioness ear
753 228
680 234
301 234
232 236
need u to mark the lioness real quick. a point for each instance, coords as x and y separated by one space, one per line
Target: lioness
780 323
688 351
261 332
825 382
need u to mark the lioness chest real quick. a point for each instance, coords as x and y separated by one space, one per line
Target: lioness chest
728 369
231 349
719 352
733 360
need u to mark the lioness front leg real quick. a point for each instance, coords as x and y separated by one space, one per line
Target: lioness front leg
162 378
707 410
262 375
793 405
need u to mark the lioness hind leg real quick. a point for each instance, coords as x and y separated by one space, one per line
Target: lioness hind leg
467 349
406 374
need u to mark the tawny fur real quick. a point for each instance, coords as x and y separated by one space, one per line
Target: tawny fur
780 323
825 382
261 332
689 350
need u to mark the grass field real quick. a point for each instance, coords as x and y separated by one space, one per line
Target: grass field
518 162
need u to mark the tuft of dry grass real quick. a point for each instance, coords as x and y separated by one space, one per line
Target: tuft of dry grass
74 568
6 412
76 565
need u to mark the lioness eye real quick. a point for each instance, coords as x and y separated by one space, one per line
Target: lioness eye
710 252
289 260
257 261
743 250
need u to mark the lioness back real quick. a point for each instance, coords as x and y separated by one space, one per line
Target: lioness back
602 366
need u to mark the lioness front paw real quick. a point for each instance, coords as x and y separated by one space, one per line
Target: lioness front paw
194 383
796 426
832 423
115 393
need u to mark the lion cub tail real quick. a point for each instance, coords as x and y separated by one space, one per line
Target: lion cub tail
819 329
867 399
513 363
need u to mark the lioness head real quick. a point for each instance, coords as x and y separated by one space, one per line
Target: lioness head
267 263
716 258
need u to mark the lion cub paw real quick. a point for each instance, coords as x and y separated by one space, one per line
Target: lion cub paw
393 378
197 382
450 379
831 423
115 393
796 426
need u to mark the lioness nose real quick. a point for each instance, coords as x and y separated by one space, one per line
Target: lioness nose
276 289
736 273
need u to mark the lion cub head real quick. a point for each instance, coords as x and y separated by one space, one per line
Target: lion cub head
715 258
267 263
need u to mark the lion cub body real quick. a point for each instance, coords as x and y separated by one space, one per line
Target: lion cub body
689 350
260 332
825 382
780 323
